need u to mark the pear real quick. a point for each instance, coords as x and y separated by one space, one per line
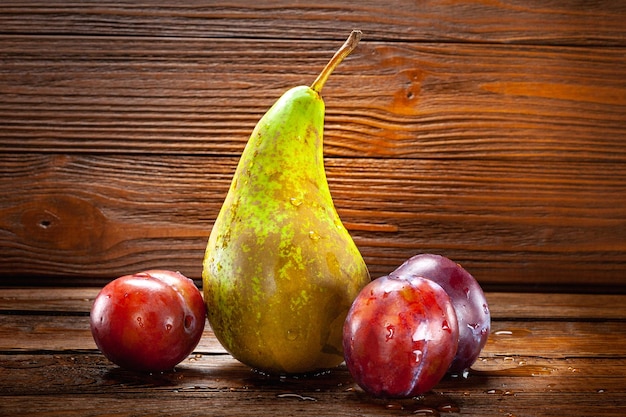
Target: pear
280 270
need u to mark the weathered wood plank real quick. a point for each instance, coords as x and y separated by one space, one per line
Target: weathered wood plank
596 22
508 338
503 306
551 306
556 339
574 366
21 333
401 100
52 300
204 373
100 216
606 404
219 384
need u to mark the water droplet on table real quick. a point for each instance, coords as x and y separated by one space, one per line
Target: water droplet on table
425 411
296 396
494 391
449 408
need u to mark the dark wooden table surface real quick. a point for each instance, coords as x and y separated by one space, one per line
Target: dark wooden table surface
548 355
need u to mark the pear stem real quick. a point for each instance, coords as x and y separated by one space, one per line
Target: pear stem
344 51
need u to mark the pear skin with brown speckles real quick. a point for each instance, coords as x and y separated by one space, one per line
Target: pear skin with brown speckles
280 270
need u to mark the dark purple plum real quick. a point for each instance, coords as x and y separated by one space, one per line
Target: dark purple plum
400 336
467 297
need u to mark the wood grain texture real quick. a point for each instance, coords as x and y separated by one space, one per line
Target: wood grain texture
597 22
56 319
508 338
548 355
103 216
490 132
391 100
86 385
504 306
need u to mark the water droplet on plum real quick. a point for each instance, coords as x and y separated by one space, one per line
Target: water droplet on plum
445 326
421 334
390 329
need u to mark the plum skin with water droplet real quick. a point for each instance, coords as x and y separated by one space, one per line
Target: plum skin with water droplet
467 297
149 321
400 336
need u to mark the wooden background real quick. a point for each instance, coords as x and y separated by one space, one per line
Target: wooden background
491 132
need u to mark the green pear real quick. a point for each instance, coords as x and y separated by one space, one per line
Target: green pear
280 270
